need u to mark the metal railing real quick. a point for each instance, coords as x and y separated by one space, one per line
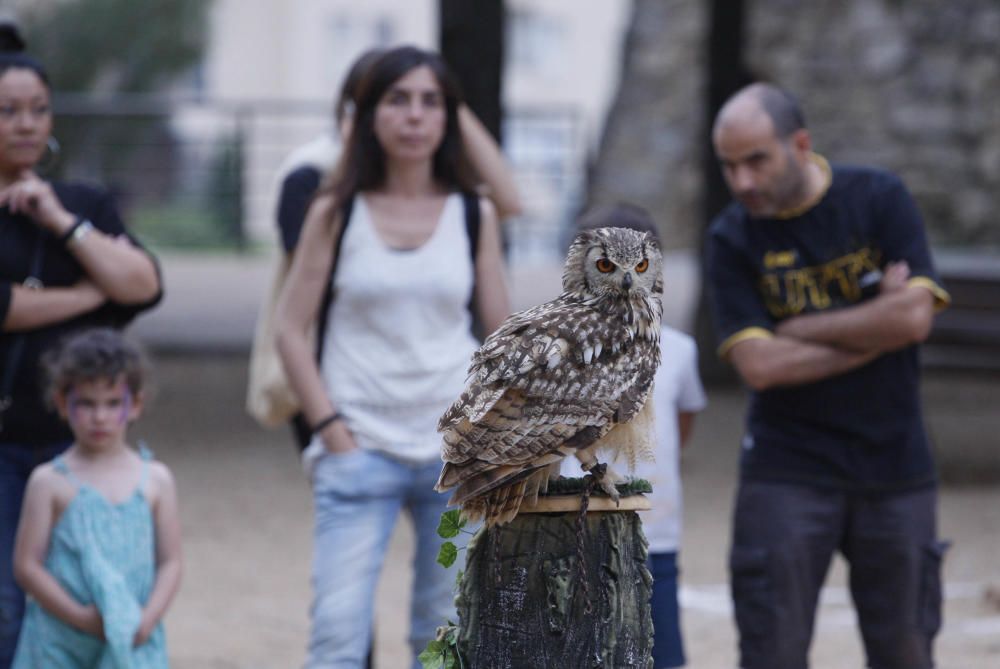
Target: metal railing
200 174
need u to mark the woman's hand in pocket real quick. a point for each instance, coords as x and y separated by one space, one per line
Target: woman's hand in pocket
337 439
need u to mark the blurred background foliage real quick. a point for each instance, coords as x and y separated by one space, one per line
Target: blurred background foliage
124 46
103 57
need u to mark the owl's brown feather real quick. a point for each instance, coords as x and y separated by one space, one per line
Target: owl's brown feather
553 379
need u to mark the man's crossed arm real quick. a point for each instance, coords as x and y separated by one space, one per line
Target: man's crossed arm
812 347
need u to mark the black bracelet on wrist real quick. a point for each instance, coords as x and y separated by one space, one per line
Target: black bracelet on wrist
79 223
318 427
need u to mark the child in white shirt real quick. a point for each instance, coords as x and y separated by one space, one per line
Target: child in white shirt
677 396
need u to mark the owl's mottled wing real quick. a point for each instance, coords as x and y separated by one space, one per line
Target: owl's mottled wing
540 387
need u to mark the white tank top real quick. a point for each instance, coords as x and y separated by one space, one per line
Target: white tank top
398 341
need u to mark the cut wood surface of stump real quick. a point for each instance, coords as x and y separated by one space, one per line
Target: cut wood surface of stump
528 600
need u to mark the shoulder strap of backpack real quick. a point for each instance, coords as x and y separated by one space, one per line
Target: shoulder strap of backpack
324 307
472 219
472 223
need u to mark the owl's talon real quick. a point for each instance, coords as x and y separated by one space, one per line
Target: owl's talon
608 486
605 478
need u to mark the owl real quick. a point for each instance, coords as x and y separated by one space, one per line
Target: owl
564 378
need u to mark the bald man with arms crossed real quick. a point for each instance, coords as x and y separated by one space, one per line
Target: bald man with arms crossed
822 288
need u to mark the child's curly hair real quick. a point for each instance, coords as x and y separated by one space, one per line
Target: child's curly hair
91 355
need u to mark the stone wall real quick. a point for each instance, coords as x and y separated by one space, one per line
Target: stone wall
913 86
648 153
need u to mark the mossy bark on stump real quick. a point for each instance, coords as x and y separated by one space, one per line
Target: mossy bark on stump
525 601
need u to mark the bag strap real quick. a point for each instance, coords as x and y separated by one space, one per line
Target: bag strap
16 349
146 455
324 307
301 429
472 219
59 464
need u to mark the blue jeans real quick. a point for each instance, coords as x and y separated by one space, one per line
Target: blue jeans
357 497
16 463
668 648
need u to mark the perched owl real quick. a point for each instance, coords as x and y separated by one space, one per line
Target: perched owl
554 380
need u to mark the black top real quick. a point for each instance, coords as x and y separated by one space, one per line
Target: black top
28 421
297 191
859 430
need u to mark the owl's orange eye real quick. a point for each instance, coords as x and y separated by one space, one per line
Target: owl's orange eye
642 266
605 265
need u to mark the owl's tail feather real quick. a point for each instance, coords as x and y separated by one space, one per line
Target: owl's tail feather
473 482
500 505
455 474
537 483
490 479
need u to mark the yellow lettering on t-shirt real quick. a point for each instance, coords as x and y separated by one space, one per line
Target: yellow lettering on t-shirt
796 290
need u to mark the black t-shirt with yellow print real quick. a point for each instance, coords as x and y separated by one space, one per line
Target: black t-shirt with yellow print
859 430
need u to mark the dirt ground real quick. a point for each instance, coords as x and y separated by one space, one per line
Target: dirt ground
247 524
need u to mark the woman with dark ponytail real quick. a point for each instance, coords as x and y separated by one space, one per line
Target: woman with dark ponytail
66 262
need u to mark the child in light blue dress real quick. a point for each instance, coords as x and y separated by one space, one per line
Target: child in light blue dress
98 545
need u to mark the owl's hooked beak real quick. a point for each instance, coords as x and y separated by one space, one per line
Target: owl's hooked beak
627 281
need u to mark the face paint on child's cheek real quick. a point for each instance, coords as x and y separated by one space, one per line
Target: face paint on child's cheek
126 407
72 405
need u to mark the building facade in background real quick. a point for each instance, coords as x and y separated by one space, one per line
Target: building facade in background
281 62
198 159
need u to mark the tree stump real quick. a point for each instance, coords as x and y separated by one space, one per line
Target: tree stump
559 589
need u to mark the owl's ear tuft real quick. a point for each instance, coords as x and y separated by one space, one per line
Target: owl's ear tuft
585 236
580 243
573 275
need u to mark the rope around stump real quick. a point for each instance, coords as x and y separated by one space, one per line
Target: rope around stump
581 530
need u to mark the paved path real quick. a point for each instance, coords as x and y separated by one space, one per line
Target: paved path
247 517
247 522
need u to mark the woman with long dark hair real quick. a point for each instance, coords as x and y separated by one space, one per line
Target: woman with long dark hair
397 226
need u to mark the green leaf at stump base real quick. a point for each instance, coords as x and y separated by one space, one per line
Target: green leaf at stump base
447 555
451 524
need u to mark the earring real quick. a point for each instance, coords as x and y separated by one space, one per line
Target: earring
52 148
